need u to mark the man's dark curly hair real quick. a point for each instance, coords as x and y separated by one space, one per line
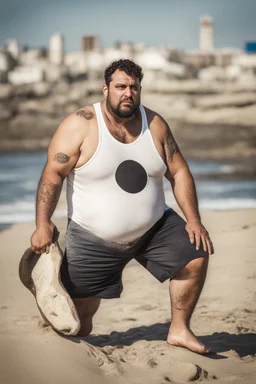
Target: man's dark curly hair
128 66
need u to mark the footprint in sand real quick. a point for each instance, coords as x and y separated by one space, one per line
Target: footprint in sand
146 307
25 320
151 363
186 372
43 325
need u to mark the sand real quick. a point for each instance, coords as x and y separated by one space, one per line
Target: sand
128 344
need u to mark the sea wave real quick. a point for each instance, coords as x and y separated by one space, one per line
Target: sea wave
21 212
19 175
227 204
208 168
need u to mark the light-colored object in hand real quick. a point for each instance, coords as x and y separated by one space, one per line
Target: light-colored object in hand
41 275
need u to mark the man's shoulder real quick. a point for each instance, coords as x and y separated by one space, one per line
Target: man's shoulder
77 123
82 117
86 113
155 121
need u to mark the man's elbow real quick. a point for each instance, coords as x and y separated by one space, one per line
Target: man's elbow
53 175
182 172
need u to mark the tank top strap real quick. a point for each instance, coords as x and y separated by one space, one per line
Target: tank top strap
103 130
99 115
144 119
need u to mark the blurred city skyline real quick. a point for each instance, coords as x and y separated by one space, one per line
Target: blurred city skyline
165 22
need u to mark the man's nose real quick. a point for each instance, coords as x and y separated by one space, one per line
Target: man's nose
128 92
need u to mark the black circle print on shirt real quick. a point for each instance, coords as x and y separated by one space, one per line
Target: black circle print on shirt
131 176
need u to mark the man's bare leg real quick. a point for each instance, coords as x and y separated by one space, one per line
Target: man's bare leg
86 309
185 290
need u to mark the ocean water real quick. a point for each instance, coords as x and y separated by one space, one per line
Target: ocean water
20 173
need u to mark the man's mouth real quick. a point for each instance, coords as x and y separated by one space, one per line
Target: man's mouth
127 102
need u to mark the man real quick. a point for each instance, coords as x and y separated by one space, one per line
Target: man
115 155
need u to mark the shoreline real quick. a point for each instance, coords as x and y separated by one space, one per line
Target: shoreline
61 218
244 169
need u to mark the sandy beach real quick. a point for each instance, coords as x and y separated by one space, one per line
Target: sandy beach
128 344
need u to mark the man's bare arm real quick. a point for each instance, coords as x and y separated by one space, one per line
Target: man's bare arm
50 186
183 185
181 179
63 154
47 198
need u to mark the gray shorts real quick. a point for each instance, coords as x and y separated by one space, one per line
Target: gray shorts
92 267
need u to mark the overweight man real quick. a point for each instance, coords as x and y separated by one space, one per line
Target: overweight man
115 155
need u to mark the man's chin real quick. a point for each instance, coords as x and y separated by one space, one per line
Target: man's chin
125 114
126 108
125 111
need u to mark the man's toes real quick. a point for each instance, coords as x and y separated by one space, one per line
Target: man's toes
204 350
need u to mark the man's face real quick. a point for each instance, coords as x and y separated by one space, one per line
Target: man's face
123 94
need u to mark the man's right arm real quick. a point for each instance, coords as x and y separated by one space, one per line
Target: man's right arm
63 153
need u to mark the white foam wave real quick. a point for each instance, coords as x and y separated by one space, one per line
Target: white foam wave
227 204
210 187
227 168
30 185
211 168
21 212
23 206
225 186
10 177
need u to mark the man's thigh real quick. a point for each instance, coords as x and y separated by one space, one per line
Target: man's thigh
169 249
91 267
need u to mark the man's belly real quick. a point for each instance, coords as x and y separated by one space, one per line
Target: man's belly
118 219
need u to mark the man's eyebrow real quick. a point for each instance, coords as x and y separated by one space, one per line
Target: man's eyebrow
123 84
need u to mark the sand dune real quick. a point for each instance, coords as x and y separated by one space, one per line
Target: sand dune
128 344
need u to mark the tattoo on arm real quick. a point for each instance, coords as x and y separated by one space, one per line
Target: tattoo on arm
48 194
88 115
61 158
171 145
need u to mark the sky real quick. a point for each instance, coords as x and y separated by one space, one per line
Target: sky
153 22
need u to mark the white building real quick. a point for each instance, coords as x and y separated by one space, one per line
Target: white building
76 63
13 47
30 57
26 75
90 43
245 68
206 33
5 61
112 54
157 69
6 64
56 49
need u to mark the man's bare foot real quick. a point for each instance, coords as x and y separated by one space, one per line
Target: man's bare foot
185 338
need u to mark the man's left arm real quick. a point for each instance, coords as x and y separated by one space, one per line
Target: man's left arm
184 190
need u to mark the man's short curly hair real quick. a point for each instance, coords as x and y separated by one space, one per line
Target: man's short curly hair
128 66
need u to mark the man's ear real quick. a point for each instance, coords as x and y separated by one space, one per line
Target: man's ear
105 90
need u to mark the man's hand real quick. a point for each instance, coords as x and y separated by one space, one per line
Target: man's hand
42 238
198 233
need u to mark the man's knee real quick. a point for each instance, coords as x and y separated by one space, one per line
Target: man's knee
86 309
195 268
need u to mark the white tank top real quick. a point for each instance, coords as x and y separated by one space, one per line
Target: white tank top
118 194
